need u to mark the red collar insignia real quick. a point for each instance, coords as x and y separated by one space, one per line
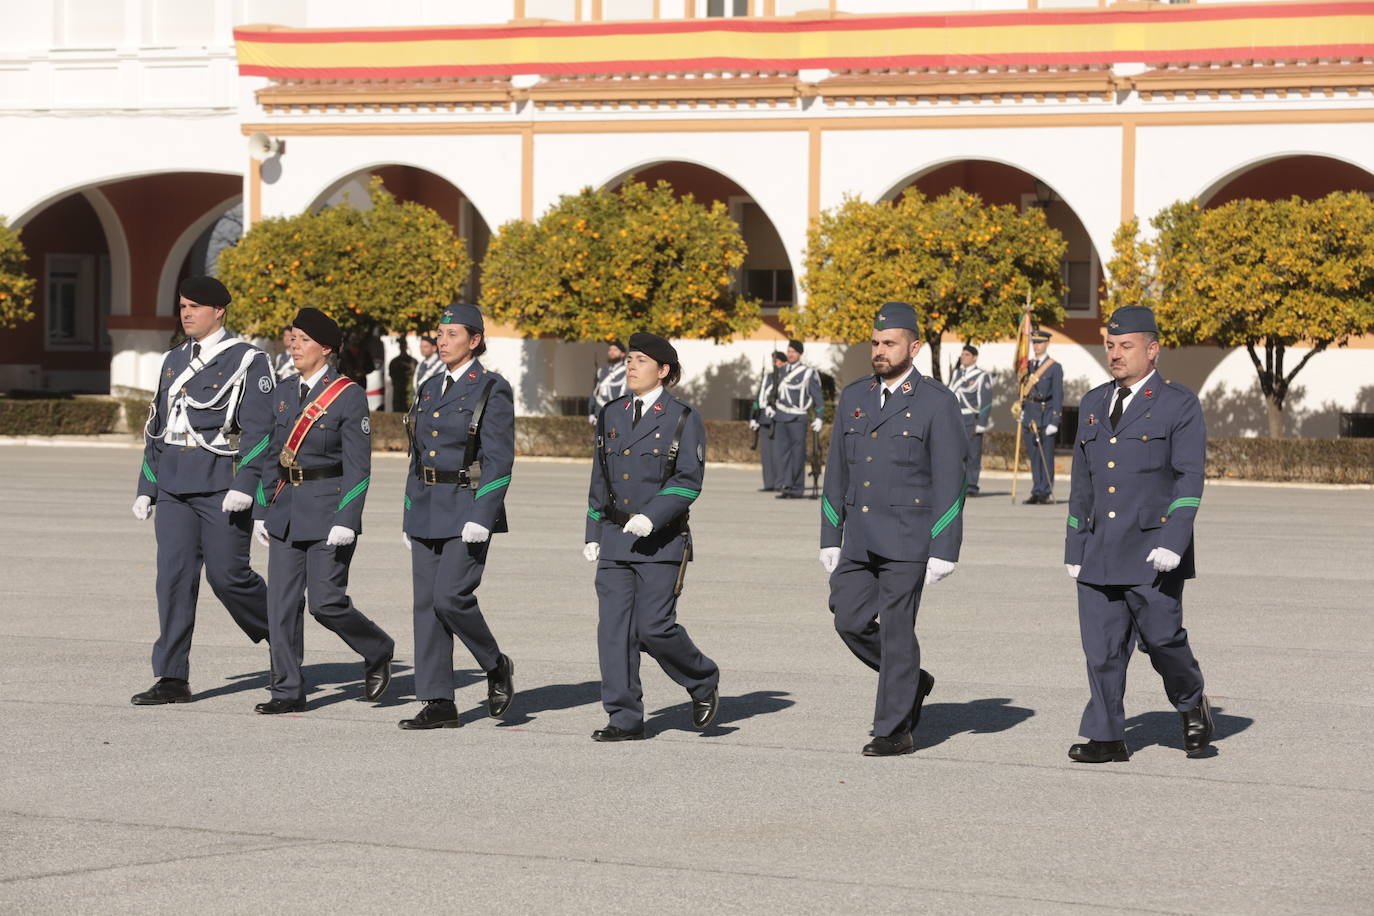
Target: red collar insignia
1149 392
472 375
906 388
628 402
873 384
658 408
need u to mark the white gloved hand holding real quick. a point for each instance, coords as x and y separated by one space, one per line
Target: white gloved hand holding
816 425
1163 559
143 507
234 501
639 525
591 551
405 539
339 536
1051 429
937 569
474 533
260 532
753 425
1073 569
980 429
769 412
592 419
830 558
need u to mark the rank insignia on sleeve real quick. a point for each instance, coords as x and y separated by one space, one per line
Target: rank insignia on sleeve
906 388
366 426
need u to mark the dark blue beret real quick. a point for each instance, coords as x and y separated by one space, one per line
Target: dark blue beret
464 314
319 327
205 291
896 315
1132 319
654 347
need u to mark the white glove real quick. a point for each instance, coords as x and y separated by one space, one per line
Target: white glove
405 539
474 533
592 420
816 425
234 501
143 507
639 526
980 429
769 412
830 558
753 425
260 532
591 551
339 536
1073 569
937 569
1051 429
1163 559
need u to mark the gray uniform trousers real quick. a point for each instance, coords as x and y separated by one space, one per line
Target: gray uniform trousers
1109 616
1040 452
974 460
192 532
861 595
767 456
790 453
638 610
445 573
292 567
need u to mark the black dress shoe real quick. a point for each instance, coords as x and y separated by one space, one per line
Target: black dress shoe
971 492
436 714
166 690
277 707
377 677
785 495
1034 500
924 686
767 489
500 687
890 745
704 711
616 733
1197 728
1100 752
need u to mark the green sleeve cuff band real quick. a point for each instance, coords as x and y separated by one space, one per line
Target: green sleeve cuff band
950 514
256 451
1184 502
148 472
407 501
1073 522
353 494
679 491
829 512
261 496
593 514
985 409
496 484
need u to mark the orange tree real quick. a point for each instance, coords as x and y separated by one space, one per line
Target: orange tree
965 266
16 286
1263 275
603 264
391 267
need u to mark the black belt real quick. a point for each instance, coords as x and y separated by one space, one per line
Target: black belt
296 475
1040 400
431 476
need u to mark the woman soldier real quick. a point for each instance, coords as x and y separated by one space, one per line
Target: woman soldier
461 415
651 456
314 513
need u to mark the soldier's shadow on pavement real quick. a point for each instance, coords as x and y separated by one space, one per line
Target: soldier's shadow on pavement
942 721
529 703
678 717
1164 729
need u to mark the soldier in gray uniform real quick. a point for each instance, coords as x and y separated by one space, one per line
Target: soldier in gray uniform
429 365
651 457
1042 407
312 515
761 421
799 390
1138 465
891 518
610 380
284 366
462 428
201 476
973 389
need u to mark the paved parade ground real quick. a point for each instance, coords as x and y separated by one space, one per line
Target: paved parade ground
209 808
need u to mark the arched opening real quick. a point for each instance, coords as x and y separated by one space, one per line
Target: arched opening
1305 176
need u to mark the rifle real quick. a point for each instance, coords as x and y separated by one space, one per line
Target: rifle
815 464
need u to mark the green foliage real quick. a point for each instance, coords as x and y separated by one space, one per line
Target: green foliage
59 416
392 267
966 267
603 264
16 286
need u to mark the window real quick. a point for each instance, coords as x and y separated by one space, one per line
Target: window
771 287
742 409
1078 277
1357 426
573 407
73 313
725 8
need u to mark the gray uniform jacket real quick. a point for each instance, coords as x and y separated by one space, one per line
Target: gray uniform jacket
1044 403
973 389
894 479
238 376
440 423
637 457
799 388
1136 487
610 384
342 436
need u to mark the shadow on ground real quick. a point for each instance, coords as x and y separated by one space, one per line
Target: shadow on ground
942 721
732 709
1165 730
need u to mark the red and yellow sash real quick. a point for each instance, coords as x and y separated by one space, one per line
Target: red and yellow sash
312 412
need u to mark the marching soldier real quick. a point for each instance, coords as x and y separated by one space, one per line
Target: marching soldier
799 390
212 387
429 364
313 515
462 428
284 367
973 389
1042 405
890 518
1136 488
610 380
761 420
651 457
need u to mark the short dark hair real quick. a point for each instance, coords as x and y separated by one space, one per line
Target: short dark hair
481 347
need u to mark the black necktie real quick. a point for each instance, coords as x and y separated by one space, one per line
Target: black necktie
195 351
1121 395
639 412
448 383
305 392
885 394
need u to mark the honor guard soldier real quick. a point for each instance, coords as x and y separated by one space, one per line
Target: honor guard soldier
284 367
610 380
973 389
1138 466
1042 406
462 445
311 515
761 421
891 518
651 457
429 365
799 390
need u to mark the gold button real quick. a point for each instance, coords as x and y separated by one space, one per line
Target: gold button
655 451
1163 519
626 452
918 500
624 476
1111 489
431 454
1111 464
215 385
1112 440
626 500
436 414
434 432
1144 438
869 458
1111 514
875 435
865 508
865 483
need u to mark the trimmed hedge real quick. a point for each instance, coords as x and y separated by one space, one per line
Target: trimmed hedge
59 416
1293 460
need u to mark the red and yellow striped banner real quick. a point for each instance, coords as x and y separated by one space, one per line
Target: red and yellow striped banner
1092 36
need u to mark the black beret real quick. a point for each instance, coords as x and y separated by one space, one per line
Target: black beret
464 314
319 327
778 354
1132 319
654 347
429 339
970 348
617 343
796 345
205 291
896 315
